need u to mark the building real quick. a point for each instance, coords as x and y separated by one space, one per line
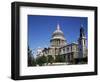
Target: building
73 53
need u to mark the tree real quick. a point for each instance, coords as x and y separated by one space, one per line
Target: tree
41 60
50 59
33 61
59 58
29 57
44 59
38 61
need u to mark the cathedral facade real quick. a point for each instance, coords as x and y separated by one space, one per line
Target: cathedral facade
72 53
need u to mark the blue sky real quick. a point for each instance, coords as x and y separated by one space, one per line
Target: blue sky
40 29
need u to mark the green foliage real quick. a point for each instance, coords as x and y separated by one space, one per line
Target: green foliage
33 62
50 59
41 60
59 58
29 57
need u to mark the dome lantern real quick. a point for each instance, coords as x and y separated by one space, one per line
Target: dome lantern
58 27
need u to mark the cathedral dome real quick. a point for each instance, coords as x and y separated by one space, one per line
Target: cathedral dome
58 39
58 34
